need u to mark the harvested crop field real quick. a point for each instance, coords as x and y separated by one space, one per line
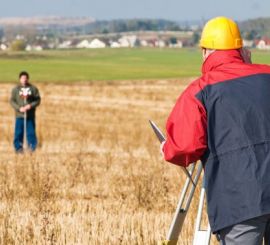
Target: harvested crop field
97 177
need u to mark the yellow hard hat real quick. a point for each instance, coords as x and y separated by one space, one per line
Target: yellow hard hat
221 33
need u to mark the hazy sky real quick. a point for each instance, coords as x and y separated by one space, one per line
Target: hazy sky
111 9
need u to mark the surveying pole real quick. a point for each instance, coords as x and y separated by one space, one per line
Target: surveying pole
201 237
25 93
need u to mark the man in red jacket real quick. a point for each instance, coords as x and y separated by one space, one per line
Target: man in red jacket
223 119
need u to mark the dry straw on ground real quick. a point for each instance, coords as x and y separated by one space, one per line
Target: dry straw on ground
97 177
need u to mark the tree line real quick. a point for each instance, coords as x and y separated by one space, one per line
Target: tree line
116 26
255 28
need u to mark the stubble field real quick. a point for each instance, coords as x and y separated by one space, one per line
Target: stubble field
97 177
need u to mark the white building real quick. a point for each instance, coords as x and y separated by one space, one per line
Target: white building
132 40
96 43
160 44
128 41
83 44
124 43
51 45
115 45
65 44
3 47
28 48
248 43
143 43
179 44
38 48
33 48
263 45
20 37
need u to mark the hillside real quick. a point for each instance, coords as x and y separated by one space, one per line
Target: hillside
87 25
251 29
46 21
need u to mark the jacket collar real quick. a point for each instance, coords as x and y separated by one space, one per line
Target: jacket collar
221 57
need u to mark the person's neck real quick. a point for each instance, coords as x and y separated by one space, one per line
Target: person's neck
25 85
221 57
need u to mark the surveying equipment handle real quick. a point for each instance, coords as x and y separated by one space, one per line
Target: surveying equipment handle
157 132
162 139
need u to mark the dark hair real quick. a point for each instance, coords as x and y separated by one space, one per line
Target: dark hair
24 73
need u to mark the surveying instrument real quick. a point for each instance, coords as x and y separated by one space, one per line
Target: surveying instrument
201 236
25 93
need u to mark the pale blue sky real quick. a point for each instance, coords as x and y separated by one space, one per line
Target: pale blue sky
112 9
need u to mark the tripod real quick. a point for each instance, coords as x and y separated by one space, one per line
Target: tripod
201 237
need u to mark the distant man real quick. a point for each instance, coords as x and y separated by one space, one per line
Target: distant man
24 99
223 119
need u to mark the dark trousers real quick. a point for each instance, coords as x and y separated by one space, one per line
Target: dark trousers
30 134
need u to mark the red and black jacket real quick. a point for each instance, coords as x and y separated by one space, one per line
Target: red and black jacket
223 119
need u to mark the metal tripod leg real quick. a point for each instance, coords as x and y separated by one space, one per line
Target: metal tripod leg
182 207
201 237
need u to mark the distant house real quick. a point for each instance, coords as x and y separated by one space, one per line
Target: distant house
132 40
33 48
83 44
178 44
128 41
123 42
38 48
51 45
65 45
151 43
263 44
96 43
248 43
28 47
143 43
160 43
115 45
3 47
20 37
